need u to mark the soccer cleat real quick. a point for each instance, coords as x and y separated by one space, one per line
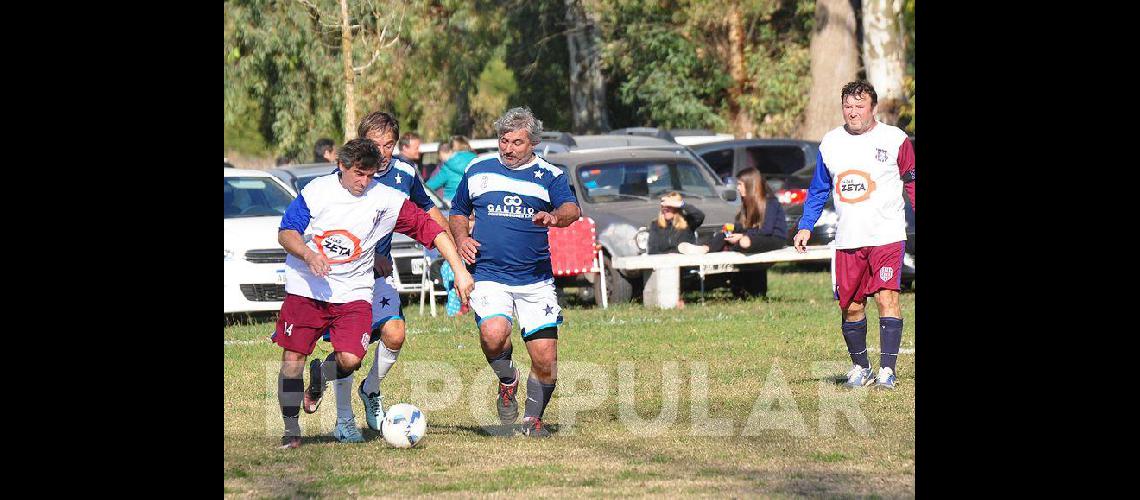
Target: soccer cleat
858 377
316 389
506 404
533 427
691 249
886 378
346 431
373 407
290 442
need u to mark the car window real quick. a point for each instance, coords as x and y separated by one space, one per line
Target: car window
641 181
302 181
254 197
781 160
720 161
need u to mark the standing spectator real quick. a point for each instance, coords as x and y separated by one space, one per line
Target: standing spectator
409 146
760 217
869 166
458 155
324 151
677 223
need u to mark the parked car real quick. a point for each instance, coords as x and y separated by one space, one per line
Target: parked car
787 164
407 254
254 264
619 188
684 136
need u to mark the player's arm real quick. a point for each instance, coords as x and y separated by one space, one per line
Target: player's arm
563 216
463 280
293 225
458 222
906 168
818 192
561 197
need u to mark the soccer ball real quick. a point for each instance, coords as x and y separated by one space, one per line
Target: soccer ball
404 425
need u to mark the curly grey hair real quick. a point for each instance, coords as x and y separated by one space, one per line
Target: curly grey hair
518 119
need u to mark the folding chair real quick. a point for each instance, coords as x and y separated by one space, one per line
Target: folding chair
428 285
574 250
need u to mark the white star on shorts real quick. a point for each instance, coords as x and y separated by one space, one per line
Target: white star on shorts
537 174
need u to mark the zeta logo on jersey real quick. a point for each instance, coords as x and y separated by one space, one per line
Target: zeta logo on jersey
511 207
338 246
853 186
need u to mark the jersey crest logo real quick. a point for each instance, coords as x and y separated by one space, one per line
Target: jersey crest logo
881 155
398 178
853 186
364 340
338 246
537 174
289 329
885 273
484 184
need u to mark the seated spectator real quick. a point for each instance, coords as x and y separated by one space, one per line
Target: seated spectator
455 155
677 223
759 226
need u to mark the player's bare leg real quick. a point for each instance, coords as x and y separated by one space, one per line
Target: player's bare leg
290 387
495 340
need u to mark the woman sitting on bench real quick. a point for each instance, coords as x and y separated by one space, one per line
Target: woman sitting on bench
761 218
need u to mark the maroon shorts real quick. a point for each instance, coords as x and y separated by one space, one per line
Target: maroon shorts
860 272
303 320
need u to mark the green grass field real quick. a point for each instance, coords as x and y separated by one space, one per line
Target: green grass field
725 398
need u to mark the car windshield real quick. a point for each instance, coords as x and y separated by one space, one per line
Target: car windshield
642 180
254 197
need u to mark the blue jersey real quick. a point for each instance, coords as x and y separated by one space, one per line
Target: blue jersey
512 250
402 177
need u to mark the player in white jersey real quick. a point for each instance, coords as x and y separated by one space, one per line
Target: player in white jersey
869 166
388 324
515 197
330 232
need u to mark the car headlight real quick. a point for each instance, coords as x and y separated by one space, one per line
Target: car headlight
229 255
642 238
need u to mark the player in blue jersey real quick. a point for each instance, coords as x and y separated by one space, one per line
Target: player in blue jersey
388 325
515 197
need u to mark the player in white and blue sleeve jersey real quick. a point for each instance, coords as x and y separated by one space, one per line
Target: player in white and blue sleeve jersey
869 166
515 196
388 324
330 232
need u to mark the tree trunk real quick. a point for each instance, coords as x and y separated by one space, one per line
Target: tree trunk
834 62
349 74
884 54
587 84
742 125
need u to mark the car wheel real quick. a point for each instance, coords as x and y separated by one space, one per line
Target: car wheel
618 289
750 283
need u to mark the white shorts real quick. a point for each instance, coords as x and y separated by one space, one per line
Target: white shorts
385 302
535 305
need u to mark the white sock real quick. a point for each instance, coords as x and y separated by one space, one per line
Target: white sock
385 358
343 388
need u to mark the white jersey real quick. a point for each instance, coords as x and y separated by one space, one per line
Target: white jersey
865 181
345 229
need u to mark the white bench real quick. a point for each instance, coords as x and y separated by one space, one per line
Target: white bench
663 271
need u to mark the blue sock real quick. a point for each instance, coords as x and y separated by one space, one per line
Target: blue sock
855 335
890 336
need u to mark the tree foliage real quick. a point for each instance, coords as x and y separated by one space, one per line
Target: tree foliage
459 63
